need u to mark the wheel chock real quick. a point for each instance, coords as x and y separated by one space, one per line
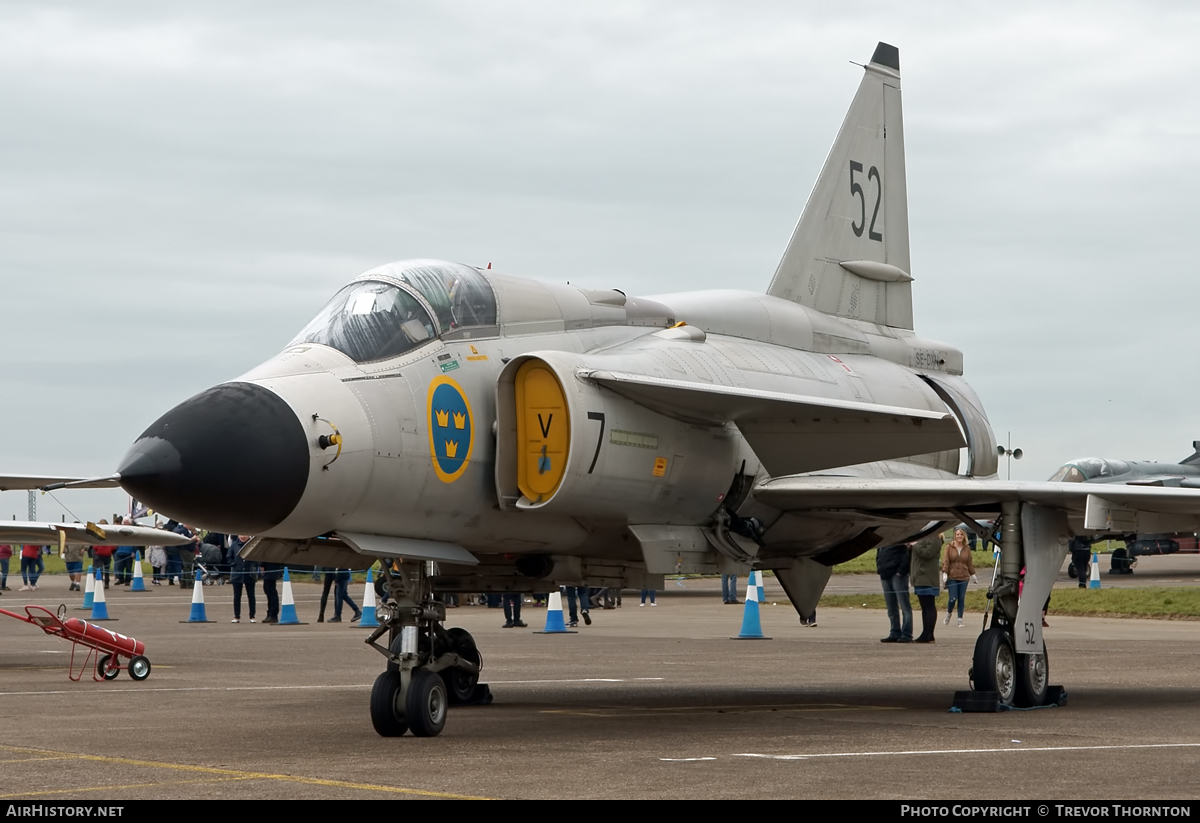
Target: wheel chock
973 701
482 696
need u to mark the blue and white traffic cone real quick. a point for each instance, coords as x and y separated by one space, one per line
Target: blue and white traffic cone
198 614
99 606
1094 580
139 584
89 588
751 623
554 616
368 609
287 604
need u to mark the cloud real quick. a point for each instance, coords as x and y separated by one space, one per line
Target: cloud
186 185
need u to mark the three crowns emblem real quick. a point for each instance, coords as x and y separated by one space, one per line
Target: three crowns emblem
443 417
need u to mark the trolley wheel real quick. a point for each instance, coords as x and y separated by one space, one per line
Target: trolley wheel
105 671
139 668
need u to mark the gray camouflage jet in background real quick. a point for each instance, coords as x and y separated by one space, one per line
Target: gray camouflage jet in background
1182 475
479 432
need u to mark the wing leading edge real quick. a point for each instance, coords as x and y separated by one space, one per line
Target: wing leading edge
30 482
89 534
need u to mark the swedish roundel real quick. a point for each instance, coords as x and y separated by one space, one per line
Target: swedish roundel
451 432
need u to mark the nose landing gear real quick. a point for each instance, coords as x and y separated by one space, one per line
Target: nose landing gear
429 668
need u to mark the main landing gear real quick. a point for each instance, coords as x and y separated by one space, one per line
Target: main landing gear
999 673
429 668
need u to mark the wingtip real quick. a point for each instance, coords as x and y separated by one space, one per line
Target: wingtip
887 55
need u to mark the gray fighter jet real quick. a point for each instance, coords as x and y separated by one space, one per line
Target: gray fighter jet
1185 474
479 431
1182 475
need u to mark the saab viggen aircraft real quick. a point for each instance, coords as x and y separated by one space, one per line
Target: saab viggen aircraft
479 431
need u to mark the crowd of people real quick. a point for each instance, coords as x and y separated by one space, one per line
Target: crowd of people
218 557
929 565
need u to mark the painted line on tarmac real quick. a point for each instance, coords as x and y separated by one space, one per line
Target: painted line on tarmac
237 774
651 711
575 680
112 786
969 751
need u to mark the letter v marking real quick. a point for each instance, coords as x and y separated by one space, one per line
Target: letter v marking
545 427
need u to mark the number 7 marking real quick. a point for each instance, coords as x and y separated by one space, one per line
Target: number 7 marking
599 439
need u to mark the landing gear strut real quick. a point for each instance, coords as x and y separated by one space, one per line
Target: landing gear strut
429 667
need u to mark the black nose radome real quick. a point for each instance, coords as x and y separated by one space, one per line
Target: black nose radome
233 459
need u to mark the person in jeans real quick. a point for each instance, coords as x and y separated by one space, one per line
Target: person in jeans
729 588
243 574
892 563
574 593
31 557
6 554
957 568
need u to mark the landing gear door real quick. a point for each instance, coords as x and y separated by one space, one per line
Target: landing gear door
1045 535
982 458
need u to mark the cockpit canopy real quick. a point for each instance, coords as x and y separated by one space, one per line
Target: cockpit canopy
1090 468
399 306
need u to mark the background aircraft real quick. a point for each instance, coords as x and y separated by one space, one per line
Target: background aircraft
1184 474
497 433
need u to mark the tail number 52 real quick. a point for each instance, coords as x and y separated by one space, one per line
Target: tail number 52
857 191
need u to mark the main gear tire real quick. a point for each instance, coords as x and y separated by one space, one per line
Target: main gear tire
994 667
1033 679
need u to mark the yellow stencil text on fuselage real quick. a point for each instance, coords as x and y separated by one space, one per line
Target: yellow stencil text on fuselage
543 431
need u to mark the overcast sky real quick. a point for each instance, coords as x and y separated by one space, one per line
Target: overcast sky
185 184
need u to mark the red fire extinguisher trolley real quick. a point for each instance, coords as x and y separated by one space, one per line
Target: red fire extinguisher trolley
105 648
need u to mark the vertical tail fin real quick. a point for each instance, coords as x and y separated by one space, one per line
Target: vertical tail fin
848 255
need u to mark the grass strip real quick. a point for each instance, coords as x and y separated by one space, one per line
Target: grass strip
1157 603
